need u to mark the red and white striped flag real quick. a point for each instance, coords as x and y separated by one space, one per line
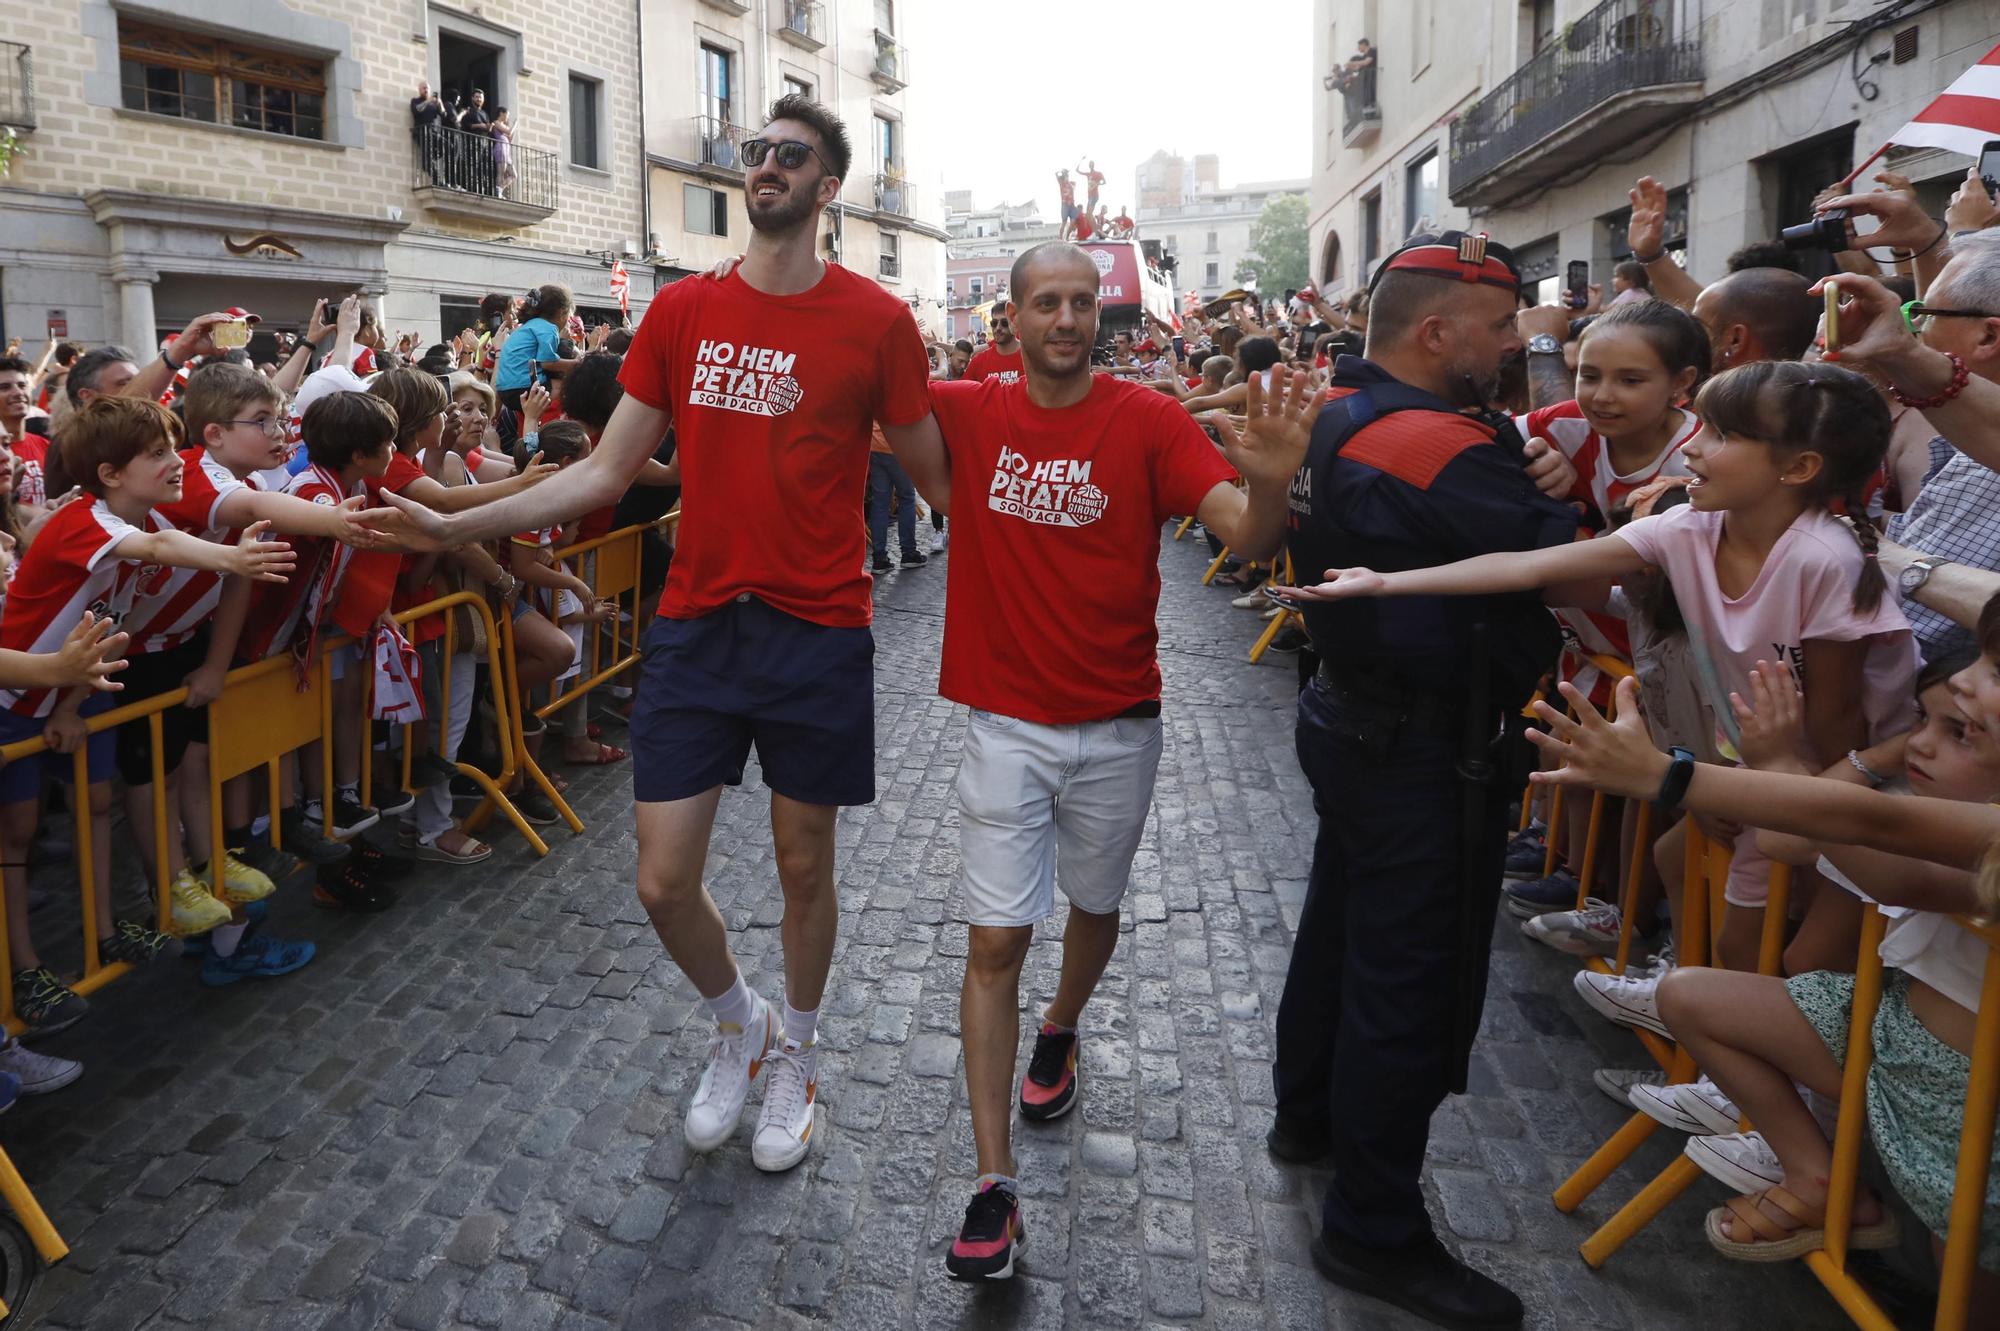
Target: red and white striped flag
621 287
1964 117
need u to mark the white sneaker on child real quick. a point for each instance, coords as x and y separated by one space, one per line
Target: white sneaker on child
1741 1160
785 1124
1703 1101
1617 1083
1660 1104
1590 932
1622 999
735 1056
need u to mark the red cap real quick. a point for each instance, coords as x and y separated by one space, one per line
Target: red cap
238 312
1147 345
1466 258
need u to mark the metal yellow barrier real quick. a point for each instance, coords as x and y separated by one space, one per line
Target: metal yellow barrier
1283 619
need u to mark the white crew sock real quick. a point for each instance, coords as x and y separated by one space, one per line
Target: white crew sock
734 1006
222 940
800 1027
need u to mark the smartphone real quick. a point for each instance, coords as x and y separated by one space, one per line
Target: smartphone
1577 283
1180 346
1276 597
1989 167
231 333
1832 317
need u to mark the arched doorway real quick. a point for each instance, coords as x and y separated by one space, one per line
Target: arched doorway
1329 261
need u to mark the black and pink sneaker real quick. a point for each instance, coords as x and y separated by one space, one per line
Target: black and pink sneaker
992 1234
1049 1089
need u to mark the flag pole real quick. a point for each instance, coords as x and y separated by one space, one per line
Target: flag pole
1866 162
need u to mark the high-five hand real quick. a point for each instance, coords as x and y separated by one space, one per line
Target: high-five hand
1277 427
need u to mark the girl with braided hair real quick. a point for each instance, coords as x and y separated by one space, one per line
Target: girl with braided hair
1762 569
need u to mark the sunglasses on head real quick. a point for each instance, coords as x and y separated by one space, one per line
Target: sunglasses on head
791 153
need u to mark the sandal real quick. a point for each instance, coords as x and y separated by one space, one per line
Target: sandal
1785 1228
606 755
471 849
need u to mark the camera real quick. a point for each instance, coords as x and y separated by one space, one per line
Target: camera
1826 232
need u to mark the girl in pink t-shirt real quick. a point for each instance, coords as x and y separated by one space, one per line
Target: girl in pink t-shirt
1762 570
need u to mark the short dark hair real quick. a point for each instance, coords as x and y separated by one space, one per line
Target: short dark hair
1635 274
495 304
962 345
835 150
1257 354
83 374
16 364
591 391
110 432
620 341
67 352
1017 276
1762 254
561 440
341 427
1676 336
1772 303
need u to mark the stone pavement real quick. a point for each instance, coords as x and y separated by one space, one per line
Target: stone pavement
467 1112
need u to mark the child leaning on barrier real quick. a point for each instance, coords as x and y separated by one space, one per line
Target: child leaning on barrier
1758 1035
100 553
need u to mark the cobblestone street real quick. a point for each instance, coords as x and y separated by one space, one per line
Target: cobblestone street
467 1111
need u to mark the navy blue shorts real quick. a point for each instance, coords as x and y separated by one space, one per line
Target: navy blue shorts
21 781
710 688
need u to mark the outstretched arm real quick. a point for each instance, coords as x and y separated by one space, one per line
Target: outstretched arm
1485 575
1267 454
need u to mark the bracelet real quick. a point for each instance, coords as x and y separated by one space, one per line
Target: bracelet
1673 787
1873 777
1960 377
1649 259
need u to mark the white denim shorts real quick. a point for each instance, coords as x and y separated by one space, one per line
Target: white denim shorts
1042 806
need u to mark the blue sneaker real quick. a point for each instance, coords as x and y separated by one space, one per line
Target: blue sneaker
10 1091
1526 854
253 915
258 956
1539 897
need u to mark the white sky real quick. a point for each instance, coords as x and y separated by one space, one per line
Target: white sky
1196 76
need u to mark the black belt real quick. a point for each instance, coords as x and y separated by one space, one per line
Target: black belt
1149 708
1390 701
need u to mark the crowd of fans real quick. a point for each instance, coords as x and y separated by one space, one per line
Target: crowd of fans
164 519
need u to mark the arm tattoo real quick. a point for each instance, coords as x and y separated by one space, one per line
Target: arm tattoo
1549 382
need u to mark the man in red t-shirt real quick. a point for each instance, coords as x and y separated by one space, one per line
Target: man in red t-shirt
1000 358
29 450
1062 482
771 378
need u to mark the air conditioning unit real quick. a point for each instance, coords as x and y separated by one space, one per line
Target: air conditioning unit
631 249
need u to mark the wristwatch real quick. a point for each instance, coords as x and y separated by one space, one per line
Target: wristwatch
1912 578
1544 344
1674 787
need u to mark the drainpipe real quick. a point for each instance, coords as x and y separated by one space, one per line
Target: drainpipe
645 157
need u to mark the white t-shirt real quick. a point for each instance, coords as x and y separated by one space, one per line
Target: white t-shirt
1926 945
1803 593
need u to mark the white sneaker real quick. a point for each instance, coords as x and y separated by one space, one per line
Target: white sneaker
1621 999
1742 1160
735 1056
1660 1104
1250 600
1590 932
785 1126
1654 966
1617 1083
937 541
1704 1102
39 1073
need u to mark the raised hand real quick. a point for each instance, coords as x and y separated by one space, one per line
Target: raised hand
317 326
1616 757
354 532
404 524
1277 427
1549 468
534 404
85 656
1647 230
259 559
1771 721
1971 208
1872 331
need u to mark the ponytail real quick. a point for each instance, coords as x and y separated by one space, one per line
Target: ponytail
1869 584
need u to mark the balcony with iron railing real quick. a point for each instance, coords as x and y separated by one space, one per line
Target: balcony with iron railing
1623 70
458 174
802 23
893 194
1361 116
738 7
718 145
17 86
892 63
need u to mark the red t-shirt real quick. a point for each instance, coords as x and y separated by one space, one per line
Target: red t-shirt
1054 583
33 451
294 613
370 572
773 399
72 567
169 616
1002 365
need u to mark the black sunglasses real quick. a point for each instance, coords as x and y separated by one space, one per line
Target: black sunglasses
791 153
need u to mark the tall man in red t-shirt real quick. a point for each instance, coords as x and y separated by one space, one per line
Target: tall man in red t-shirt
1000 358
771 378
1062 482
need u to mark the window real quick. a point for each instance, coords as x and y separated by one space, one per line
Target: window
950 288
797 87
978 285
1541 24
892 255
1420 193
1213 275
221 82
885 16
1371 233
717 86
707 210
585 95
1213 246
888 146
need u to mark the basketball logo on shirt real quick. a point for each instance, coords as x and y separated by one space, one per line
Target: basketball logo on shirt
1052 493
754 380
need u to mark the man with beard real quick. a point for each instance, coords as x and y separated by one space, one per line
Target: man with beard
1396 734
1062 481
1000 358
771 378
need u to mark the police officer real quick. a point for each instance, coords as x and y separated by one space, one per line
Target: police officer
1401 734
